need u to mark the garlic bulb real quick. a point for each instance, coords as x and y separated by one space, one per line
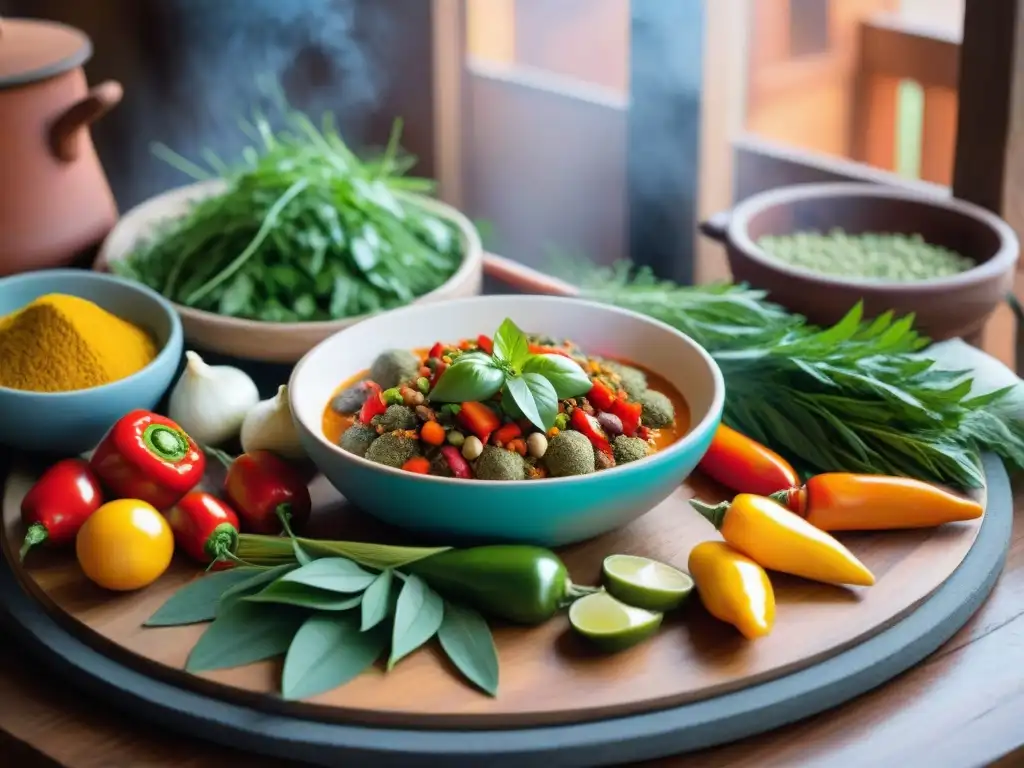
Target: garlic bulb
210 401
269 427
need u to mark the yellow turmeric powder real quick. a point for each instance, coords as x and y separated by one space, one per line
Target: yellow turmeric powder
60 343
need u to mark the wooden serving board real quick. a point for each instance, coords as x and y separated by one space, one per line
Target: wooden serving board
548 675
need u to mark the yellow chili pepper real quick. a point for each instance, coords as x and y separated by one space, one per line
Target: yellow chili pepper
733 588
780 540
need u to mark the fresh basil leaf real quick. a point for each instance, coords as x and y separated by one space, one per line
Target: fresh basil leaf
197 601
245 633
254 583
510 344
304 596
466 638
536 398
376 600
326 652
476 378
565 375
418 615
336 574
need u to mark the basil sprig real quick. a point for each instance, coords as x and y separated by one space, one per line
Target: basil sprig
534 383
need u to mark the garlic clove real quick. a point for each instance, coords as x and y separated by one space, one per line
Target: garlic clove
210 402
269 426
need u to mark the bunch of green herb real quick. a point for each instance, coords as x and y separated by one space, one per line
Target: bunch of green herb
303 230
860 396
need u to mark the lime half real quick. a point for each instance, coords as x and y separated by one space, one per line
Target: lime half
646 583
612 625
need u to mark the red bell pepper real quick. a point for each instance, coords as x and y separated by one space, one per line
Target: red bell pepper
506 433
629 414
261 487
478 419
62 499
204 526
485 344
148 457
601 396
436 351
373 405
583 422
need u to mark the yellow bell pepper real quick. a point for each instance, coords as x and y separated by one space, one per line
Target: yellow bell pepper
733 588
780 540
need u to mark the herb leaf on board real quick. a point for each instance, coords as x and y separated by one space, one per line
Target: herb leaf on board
376 600
327 651
466 638
337 574
565 375
418 616
244 633
304 596
254 583
197 601
511 345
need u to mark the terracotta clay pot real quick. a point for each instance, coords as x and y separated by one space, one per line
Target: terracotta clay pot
55 202
944 308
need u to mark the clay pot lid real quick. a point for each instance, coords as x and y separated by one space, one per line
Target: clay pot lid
32 50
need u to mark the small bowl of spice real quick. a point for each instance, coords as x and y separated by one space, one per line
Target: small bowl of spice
78 350
818 249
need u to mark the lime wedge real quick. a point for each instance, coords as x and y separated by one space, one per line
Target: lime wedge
646 583
610 624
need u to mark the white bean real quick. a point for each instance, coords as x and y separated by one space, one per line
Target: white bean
472 448
537 445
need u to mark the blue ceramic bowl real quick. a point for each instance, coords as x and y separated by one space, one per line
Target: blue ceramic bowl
548 512
74 422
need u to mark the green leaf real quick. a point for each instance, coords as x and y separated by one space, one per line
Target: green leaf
536 398
253 584
474 378
466 638
418 616
243 634
566 376
376 600
304 596
301 555
336 574
327 652
511 344
197 601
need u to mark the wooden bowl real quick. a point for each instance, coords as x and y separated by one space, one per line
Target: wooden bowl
945 307
254 339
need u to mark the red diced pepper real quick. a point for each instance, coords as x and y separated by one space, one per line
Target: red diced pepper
537 349
436 351
629 414
150 458
478 419
62 499
419 465
261 487
506 433
204 526
601 396
373 405
583 422
438 371
485 344
456 463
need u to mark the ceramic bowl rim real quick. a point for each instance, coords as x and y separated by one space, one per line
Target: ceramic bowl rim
471 260
174 339
713 414
741 215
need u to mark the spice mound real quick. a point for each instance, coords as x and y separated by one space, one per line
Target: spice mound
60 343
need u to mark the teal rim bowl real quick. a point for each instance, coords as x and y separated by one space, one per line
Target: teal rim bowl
550 511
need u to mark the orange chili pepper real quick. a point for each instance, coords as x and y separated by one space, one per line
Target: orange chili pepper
417 464
432 433
780 540
518 445
746 466
733 588
839 501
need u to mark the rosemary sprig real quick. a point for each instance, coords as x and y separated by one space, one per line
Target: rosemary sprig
859 396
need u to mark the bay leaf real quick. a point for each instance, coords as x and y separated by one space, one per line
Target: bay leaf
253 584
417 617
245 633
328 651
197 601
304 596
376 600
336 574
467 640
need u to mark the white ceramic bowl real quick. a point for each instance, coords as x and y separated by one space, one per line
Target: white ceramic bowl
253 339
550 512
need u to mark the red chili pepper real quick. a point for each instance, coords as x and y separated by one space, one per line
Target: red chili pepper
583 422
538 349
746 466
373 405
456 463
204 526
629 414
485 344
478 419
601 396
436 351
261 486
506 433
61 500
148 457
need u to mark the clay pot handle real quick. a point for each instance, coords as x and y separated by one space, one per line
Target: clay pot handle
66 130
717 227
